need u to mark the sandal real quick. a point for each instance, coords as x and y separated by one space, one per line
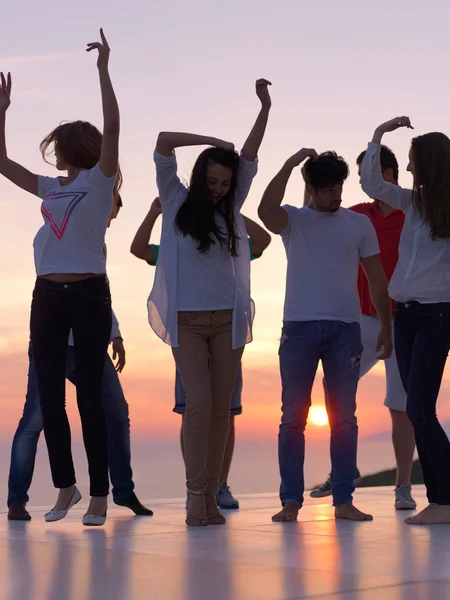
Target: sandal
216 520
195 521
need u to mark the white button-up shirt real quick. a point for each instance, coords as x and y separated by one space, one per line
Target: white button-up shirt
162 302
423 268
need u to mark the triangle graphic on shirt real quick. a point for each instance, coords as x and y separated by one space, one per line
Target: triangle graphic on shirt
60 228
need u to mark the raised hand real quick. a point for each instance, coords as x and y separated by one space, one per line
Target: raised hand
262 91
103 51
394 124
5 92
224 145
302 155
156 208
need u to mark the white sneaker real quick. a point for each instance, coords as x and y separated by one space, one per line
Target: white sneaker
57 515
403 498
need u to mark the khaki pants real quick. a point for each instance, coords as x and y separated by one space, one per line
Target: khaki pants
208 367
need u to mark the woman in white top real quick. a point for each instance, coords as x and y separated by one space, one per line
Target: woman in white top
421 287
72 290
200 302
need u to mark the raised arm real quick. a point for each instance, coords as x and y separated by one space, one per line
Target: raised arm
252 144
270 211
167 142
140 245
372 181
378 285
8 168
109 157
259 236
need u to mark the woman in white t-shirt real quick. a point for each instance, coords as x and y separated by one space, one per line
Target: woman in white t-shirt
200 302
72 290
421 287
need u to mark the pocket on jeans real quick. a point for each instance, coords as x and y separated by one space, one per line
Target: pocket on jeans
96 289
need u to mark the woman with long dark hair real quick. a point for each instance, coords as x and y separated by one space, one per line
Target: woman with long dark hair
421 287
72 289
200 303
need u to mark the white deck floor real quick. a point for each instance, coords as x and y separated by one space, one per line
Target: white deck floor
134 558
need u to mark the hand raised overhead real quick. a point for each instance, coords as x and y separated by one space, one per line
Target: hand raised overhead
262 91
5 92
103 50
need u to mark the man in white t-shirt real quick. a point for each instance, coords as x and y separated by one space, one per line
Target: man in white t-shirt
325 244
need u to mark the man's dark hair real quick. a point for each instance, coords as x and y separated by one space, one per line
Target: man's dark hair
119 201
327 170
387 160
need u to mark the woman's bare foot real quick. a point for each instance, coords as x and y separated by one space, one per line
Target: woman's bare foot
97 506
64 497
196 507
433 514
351 513
287 514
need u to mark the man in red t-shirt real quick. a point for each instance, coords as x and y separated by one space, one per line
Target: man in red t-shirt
388 223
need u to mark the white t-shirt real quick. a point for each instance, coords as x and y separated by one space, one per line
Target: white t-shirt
205 281
323 252
162 303
75 221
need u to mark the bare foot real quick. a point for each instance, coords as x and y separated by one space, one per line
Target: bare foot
64 497
433 514
287 514
98 506
351 513
196 506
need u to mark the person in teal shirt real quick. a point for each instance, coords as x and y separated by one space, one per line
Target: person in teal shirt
258 239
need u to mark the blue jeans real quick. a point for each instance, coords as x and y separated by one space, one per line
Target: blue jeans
422 344
25 441
338 345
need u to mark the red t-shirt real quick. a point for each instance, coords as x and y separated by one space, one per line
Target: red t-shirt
388 231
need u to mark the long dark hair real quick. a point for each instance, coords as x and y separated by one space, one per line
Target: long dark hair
196 215
430 155
80 143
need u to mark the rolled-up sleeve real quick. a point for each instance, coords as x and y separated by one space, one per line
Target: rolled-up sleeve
167 180
115 331
246 174
376 187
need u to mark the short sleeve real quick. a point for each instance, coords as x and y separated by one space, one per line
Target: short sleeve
292 212
167 180
155 250
45 184
245 176
368 245
97 178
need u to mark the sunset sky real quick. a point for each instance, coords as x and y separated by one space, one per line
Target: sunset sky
338 69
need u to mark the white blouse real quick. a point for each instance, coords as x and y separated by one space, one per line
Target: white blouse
162 303
423 269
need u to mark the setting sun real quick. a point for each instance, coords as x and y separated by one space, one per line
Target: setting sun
318 415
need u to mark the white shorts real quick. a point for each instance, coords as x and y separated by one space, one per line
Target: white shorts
395 392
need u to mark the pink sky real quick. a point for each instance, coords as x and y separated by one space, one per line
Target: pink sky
338 69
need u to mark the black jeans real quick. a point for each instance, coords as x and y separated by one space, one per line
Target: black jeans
422 344
85 307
